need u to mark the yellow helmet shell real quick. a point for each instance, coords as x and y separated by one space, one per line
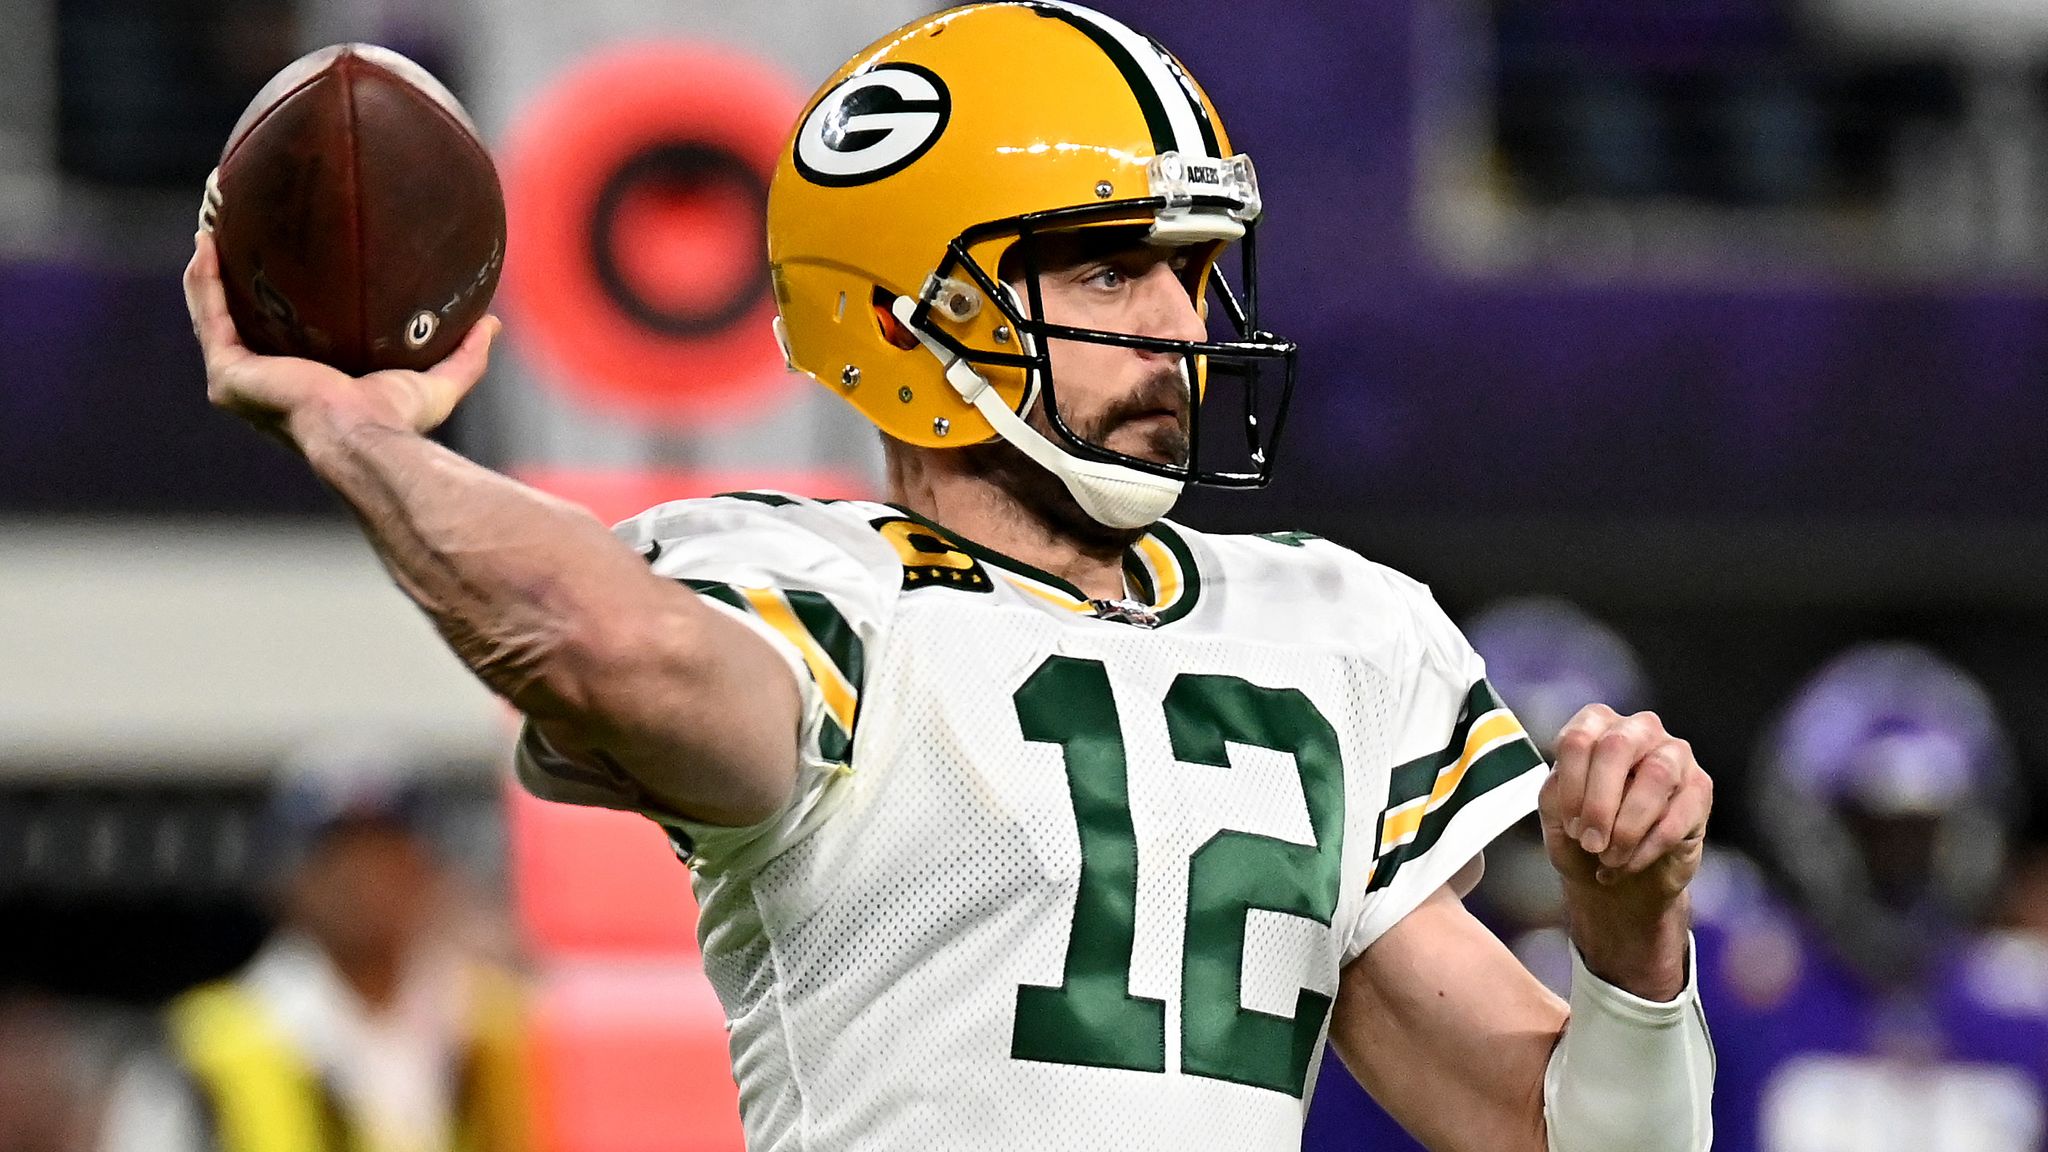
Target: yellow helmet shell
972 116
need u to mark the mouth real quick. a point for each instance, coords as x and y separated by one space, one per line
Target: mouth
1158 434
1161 410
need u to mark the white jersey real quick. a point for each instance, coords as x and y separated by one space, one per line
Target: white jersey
1070 875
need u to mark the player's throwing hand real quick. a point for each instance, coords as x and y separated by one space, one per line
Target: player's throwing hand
268 391
1626 805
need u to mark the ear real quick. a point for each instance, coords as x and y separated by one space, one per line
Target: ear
892 329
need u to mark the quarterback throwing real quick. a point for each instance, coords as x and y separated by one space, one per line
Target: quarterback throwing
1020 816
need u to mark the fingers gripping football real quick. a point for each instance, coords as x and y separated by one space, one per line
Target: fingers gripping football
1625 799
268 390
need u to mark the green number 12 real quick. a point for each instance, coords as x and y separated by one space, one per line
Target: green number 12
1092 1018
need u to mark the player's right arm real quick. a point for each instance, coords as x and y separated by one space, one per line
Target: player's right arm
670 703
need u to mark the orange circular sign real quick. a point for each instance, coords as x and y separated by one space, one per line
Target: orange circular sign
636 191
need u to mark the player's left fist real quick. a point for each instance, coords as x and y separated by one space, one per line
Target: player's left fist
1626 804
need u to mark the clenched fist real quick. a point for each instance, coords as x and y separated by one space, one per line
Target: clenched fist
1625 806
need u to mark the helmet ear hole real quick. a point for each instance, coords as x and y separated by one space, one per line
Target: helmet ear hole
891 328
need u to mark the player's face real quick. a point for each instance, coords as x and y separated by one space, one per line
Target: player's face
1898 854
1126 399
368 891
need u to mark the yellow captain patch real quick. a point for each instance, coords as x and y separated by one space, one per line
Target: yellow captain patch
929 559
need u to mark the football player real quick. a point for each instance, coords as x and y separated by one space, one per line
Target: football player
1866 1008
1020 816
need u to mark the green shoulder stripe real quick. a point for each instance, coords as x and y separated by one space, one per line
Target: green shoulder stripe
830 629
1490 771
834 743
842 646
834 637
1417 777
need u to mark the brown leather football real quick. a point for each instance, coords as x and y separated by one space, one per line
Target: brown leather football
357 213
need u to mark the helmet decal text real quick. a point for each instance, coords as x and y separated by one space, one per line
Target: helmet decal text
872 125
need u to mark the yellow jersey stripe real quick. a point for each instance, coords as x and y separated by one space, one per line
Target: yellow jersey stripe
1167 581
839 695
1489 732
1050 596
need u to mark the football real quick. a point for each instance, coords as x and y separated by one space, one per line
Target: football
357 214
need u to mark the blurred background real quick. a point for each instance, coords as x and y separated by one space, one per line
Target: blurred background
1691 350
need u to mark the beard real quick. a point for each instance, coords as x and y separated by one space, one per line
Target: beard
1046 496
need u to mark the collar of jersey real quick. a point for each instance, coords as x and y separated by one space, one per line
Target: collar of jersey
1159 569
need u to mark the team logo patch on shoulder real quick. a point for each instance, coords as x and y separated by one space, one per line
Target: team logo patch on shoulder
874 124
930 560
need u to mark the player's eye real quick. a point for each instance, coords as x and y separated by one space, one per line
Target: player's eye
1107 276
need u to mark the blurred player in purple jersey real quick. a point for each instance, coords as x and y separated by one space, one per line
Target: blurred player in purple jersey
1867 1012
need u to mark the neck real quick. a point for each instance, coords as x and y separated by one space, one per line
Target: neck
975 493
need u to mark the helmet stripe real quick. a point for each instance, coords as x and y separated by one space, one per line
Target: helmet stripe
1210 144
1176 119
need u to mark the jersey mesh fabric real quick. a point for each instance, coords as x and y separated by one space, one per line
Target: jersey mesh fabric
871 965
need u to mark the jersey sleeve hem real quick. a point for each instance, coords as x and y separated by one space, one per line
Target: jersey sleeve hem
1476 826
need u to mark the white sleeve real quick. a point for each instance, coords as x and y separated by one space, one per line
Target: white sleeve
1464 770
150 1104
1631 1075
818 585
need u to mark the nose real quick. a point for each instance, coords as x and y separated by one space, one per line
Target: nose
1166 311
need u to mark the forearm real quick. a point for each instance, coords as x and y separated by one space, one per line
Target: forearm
544 605
1448 1031
510 577
559 617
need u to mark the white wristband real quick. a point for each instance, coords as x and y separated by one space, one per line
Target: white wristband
1631 1075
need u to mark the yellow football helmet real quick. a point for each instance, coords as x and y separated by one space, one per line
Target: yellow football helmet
953 142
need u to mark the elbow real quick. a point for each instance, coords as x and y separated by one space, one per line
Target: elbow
654 686
528 662
554 662
597 666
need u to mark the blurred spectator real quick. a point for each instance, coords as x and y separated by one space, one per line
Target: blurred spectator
1870 1012
365 1022
2023 902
